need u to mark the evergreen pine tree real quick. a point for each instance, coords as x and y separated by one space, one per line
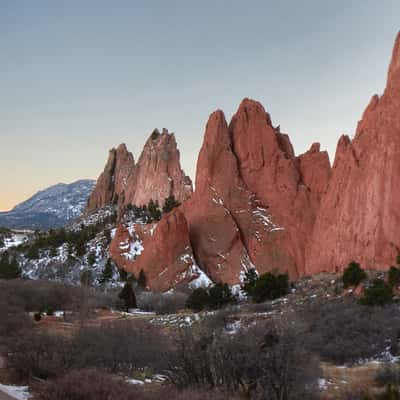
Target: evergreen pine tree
107 273
142 280
9 269
123 275
170 203
127 295
154 210
33 252
249 282
353 275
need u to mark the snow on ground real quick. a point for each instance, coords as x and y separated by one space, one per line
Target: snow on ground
18 392
201 281
14 240
155 378
176 320
135 382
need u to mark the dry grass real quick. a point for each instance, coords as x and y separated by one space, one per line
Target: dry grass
346 379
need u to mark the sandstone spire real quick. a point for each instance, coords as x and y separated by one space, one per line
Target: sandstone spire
359 215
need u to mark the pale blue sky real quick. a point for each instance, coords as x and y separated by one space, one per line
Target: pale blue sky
79 77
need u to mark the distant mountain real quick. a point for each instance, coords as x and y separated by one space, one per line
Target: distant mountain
50 208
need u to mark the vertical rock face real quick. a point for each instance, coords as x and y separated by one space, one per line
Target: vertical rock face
214 232
112 182
156 175
359 217
161 250
255 203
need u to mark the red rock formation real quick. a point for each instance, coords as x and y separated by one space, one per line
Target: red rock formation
214 233
112 182
359 217
162 250
255 202
157 175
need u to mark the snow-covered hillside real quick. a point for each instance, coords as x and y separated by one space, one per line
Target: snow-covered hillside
66 261
50 208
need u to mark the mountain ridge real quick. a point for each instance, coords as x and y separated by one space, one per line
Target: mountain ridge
51 207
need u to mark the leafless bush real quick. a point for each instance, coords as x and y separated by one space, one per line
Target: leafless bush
121 347
389 374
89 384
345 332
13 320
162 303
38 354
30 295
356 394
262 362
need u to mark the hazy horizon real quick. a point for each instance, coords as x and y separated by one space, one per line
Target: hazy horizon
80 78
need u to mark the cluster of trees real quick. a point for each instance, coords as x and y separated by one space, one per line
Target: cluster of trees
379 292
76 240
259 288
153 211
213 297
265 287
9 267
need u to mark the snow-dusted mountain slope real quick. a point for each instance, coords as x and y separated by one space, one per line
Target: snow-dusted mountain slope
50 208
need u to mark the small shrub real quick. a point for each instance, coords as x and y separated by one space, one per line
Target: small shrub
270 287
37 316
378 294
394 276
249 282
213 297
50 312
91 258
162 303
353 275
198 300
219 295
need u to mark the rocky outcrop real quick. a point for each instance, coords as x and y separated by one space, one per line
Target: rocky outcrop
255 203
157 175
112 182
162 250
359 217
